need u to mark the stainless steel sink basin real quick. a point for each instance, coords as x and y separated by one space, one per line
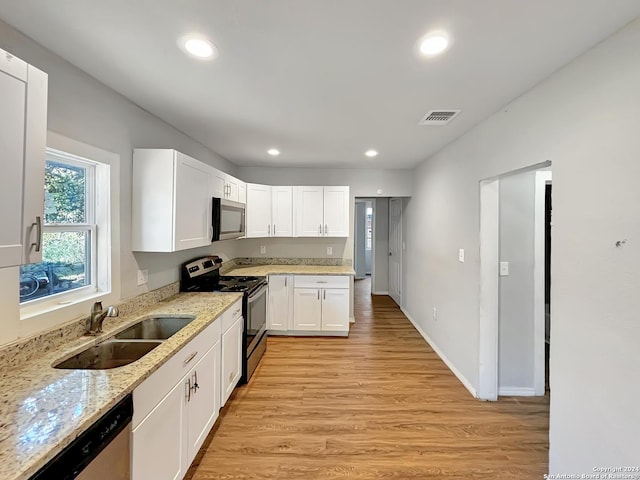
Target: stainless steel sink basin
155 328
108 354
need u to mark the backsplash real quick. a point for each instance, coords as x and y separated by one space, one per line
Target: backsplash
288 261
24 350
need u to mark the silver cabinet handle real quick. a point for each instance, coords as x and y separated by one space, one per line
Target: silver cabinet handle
325 229
325 295
188 393
322 281
38 225
274 229
191 357
320 229
269 229
195 385
318 294
285 281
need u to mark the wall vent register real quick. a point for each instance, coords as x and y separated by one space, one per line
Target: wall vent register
439 117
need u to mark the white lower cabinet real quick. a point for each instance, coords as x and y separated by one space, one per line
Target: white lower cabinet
280 307
175 408
321 303
231 368
202 402
158 445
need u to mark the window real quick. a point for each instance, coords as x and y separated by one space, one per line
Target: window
69 247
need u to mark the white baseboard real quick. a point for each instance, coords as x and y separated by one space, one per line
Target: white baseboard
380 293
516 392
467 384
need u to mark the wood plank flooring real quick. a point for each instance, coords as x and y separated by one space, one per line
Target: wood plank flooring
378 404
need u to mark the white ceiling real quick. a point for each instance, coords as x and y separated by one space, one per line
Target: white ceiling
321 80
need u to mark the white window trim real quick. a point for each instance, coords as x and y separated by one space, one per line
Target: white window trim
69 306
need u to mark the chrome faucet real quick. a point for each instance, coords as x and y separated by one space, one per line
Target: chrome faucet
97 317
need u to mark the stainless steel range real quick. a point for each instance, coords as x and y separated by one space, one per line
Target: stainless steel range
203 275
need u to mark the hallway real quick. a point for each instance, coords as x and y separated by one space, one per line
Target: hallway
378 404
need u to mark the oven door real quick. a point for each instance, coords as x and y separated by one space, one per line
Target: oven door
256 318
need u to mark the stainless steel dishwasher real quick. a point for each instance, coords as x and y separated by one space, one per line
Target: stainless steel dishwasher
101 452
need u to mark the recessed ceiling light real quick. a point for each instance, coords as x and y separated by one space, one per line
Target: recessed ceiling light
274 152
433 44
198 46
371 153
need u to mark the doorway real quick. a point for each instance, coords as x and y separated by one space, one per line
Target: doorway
514 270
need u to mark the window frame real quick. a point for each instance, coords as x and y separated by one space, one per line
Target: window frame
89 225
68 307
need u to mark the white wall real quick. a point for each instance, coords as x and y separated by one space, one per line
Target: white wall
585 119
516 332
83 109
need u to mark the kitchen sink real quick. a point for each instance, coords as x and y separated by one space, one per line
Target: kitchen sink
155 328
109 354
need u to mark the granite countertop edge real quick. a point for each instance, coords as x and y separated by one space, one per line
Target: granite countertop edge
25 393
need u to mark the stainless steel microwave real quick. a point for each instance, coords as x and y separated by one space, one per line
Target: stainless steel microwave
228 219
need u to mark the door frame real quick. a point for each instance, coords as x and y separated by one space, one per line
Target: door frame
489 304
539 266
401 239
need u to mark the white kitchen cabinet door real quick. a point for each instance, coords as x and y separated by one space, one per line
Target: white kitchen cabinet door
307 309
231 359
280 301
23 129
158 447
203 402
192 203
258 211
335 309
171 201
282 212
242 192
232 188
218 184
309 211
336 212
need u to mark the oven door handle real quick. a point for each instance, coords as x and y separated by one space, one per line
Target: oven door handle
257 294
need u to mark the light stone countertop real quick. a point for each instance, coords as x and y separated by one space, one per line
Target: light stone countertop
263 270
43 409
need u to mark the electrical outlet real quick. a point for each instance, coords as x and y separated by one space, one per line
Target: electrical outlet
143 276
435 314
263 249
329 250
461 255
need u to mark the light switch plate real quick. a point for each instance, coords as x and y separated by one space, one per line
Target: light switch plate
329 250
504 269
461 255
263 249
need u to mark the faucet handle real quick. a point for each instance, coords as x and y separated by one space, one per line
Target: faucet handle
113 311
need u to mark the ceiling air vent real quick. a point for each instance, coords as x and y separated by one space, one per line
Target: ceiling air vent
439 117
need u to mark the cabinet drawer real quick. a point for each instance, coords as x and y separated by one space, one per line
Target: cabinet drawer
231 315
321 281
147 395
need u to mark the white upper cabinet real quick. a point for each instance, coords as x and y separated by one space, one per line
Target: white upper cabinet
23 130
171 201
228 187
322 211
282 211
269 211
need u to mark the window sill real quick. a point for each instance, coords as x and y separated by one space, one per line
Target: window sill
62 304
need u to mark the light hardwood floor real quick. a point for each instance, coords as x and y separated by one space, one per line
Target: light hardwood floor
378 404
